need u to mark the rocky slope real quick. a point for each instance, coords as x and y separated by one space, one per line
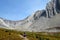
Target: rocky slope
41 21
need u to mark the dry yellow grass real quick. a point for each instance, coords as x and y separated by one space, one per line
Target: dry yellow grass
9 35
6 34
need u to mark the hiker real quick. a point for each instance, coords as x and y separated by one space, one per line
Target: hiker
24 34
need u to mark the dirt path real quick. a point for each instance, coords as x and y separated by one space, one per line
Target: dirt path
24 38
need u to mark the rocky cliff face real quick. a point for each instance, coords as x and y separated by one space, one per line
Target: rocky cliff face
41 21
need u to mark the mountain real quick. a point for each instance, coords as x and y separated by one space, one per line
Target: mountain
46 20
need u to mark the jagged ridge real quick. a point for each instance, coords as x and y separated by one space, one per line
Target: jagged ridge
40 21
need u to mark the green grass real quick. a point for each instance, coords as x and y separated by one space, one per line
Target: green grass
6 34
9 35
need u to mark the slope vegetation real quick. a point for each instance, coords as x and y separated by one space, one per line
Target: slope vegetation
18 35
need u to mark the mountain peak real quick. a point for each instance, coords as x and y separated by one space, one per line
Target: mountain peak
40 21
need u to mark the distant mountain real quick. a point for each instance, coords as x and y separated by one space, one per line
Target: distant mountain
47 20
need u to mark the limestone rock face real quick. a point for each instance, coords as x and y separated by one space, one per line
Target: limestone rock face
47 20
58 6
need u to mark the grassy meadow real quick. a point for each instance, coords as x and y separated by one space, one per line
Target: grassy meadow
6 34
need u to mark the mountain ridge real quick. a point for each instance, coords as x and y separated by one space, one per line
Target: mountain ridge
37 22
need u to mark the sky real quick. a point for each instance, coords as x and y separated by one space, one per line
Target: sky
20 9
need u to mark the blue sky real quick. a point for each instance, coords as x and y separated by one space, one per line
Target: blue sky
20 9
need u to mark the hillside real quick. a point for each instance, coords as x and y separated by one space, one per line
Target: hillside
6 34
46 20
